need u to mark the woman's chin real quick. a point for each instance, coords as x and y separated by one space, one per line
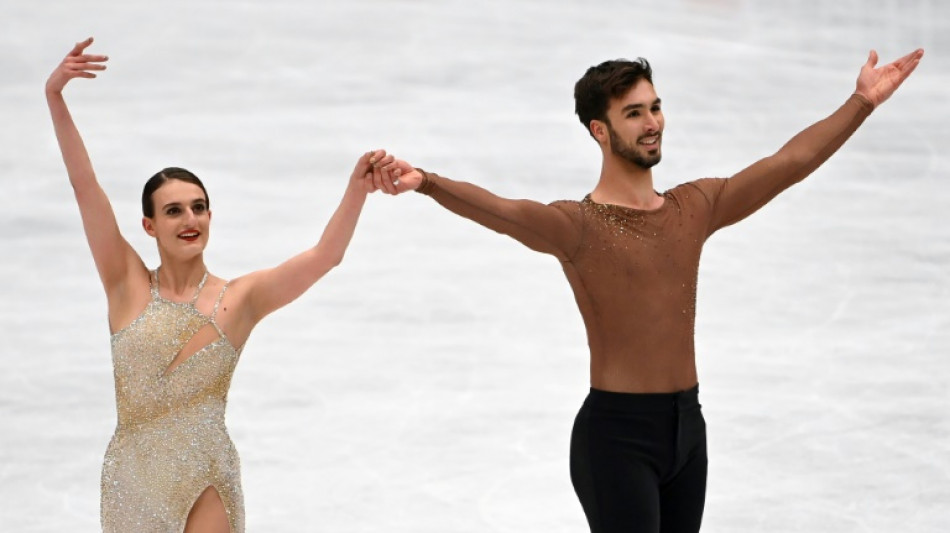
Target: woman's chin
185 253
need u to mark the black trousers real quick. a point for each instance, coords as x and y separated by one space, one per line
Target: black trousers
638 461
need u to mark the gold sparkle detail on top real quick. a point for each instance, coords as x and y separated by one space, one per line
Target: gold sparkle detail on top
170 443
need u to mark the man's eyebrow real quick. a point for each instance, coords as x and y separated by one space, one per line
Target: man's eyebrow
629 107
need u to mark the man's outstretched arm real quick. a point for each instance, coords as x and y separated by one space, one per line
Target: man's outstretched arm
543 228
753 187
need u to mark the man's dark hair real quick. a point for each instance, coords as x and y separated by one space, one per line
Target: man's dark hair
608 80
159 179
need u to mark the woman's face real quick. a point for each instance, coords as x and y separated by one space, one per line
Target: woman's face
182 219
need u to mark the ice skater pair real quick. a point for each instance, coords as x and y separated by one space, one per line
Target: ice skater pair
630 254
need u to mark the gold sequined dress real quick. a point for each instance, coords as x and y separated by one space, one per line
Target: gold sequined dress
170 443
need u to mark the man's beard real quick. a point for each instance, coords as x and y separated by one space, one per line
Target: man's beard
631 152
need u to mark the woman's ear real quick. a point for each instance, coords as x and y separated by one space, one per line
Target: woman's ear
148 226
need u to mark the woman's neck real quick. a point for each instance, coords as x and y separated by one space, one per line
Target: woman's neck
180 278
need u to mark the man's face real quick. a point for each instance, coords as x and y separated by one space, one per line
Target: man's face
635 125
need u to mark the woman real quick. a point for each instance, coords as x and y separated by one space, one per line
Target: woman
177 333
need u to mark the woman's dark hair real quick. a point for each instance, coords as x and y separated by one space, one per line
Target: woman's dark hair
608 80
159 179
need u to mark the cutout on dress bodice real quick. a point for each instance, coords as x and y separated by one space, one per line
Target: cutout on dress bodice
206 336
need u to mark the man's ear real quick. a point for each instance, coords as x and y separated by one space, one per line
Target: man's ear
148 226
598 129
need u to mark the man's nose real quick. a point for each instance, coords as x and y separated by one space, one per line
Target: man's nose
652 124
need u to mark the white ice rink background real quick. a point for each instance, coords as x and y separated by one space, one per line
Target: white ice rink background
430 384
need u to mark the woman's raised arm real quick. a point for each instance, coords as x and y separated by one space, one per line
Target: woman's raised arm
112 253
271 289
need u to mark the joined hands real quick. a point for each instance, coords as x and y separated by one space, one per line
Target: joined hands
390 175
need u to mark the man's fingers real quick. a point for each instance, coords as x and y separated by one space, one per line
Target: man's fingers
402 186
376 156
392 181
915 55
907 64
377 178
368 182
872 59
907 69
392 166
381 159
382 172
911 60
382 179
398 164
387 184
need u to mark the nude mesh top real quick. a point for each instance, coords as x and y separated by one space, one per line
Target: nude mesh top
634 272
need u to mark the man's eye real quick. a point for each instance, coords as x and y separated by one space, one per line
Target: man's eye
633 114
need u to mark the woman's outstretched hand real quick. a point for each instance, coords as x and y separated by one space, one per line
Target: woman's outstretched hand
76 64
362 169
878 84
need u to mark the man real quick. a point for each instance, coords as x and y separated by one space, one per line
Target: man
631 255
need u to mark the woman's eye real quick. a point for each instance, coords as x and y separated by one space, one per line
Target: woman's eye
200 208
172 211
